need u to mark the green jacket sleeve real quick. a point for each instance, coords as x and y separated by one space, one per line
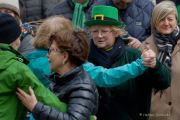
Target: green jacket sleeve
42 93
115 76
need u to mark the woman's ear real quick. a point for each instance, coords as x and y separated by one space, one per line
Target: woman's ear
65 57
115 33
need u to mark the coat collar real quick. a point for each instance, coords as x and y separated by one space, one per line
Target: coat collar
19 57
62 79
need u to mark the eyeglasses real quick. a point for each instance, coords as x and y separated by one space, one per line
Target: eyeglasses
50 50
102 32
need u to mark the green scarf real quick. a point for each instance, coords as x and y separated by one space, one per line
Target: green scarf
79 15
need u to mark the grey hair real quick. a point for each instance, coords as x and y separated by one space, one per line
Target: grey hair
161 11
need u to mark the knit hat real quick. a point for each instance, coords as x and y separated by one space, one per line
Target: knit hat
11 5
9 29
104 15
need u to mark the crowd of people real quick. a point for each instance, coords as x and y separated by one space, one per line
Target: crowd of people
89 60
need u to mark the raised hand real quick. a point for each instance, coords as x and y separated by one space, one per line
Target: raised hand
134 43
149 57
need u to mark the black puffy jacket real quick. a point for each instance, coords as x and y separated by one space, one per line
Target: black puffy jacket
77 90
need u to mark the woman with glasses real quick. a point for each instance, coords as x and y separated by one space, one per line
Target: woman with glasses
68 51
135 14
131 99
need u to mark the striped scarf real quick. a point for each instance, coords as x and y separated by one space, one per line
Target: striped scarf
165 45
79 15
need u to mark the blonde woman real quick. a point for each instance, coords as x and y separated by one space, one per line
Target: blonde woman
165 41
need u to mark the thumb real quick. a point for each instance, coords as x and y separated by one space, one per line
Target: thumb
145 48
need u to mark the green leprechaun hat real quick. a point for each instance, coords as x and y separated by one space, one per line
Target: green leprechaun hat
103 15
